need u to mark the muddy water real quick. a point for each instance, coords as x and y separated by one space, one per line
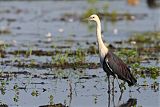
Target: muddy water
30 21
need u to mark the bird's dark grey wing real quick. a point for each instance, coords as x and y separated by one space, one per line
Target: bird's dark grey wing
119 68
107 68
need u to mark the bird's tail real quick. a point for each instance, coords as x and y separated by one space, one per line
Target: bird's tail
132 80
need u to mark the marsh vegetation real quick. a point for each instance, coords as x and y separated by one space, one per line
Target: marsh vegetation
50 59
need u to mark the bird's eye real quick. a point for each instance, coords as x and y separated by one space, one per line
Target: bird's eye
93 17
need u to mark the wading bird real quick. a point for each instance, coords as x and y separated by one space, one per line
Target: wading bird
111 63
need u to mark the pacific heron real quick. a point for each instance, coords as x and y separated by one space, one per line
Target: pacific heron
110 62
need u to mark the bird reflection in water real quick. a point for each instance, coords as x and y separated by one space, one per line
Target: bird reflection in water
70 92
131 101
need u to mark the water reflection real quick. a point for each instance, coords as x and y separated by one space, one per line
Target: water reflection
129 103
70 93
55 105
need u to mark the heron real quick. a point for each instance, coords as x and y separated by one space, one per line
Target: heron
110 62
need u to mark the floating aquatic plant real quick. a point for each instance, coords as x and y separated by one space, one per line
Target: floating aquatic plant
3 87
35 93
51 102
92 1
16 90
130 55
89 12
147 37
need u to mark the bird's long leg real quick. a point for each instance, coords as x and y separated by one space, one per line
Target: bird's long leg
108 83
113 97
119 84
109 99
130 95
113 86
120 97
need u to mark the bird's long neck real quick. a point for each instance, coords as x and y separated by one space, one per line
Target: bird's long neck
101 46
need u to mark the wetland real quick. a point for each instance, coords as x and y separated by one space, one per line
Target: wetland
49 55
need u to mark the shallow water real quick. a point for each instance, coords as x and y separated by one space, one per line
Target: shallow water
74 91
30 21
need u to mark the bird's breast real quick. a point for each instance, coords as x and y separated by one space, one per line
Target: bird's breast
102 56
102 52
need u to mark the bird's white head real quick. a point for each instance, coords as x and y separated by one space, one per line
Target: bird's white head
93 17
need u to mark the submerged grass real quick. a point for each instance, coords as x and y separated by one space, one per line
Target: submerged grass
146 38
146 47
111 16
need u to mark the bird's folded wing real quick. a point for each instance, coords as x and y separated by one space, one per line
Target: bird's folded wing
117 65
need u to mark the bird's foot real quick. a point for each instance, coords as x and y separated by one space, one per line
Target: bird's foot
109 91
113 91
121 90
122 87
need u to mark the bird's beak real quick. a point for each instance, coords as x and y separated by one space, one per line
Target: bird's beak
87 19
